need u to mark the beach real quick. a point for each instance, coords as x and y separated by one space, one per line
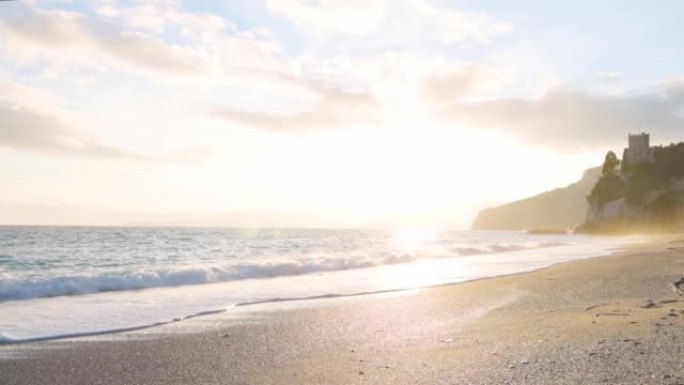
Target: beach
615 319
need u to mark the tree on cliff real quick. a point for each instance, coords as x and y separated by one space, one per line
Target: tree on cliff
609 186
610 164
653 192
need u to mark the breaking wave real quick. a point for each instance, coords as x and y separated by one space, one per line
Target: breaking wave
79 284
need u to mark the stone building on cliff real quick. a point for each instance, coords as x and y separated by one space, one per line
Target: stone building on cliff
639 150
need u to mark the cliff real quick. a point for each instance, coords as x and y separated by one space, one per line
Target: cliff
644 196
562 208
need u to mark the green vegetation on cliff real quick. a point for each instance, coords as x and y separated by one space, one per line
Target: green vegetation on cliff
609 186
614 198
644 196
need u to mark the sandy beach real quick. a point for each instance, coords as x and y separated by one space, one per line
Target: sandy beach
616 319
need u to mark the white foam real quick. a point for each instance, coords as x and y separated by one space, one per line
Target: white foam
81 283
69 316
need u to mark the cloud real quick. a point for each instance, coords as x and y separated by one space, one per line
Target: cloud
25 129
156 39
214 40
352 17
400 19
571 119
64 36
351 91
609 76
452 25
449 85
335 109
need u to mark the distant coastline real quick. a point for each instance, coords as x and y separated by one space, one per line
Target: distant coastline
641 193
561 209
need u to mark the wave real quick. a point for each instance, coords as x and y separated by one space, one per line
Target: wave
501 248
6 339
12 289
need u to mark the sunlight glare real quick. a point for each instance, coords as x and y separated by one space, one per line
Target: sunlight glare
413 239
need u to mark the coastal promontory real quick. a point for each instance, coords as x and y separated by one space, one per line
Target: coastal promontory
561 208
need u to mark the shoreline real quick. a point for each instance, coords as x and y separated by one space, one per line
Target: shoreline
442 264
602 315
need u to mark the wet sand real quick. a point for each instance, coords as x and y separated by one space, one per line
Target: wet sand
617 319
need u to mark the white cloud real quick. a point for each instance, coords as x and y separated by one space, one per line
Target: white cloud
455 82
400 80
609 76
242 76
352 17
26 129
157 16
69 37
572 119
151 37
448 25
335 109
348 91
452 25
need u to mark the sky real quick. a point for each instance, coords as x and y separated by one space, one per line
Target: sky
320 113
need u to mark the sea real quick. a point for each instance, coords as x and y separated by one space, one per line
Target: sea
60 282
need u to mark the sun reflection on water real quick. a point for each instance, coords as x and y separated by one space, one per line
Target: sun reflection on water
419 273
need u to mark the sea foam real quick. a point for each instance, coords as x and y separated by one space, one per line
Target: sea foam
76 282
81 283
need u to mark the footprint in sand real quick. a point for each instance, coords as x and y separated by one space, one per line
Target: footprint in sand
678 286
650 304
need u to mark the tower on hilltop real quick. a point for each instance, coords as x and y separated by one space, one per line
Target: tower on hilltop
639 150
